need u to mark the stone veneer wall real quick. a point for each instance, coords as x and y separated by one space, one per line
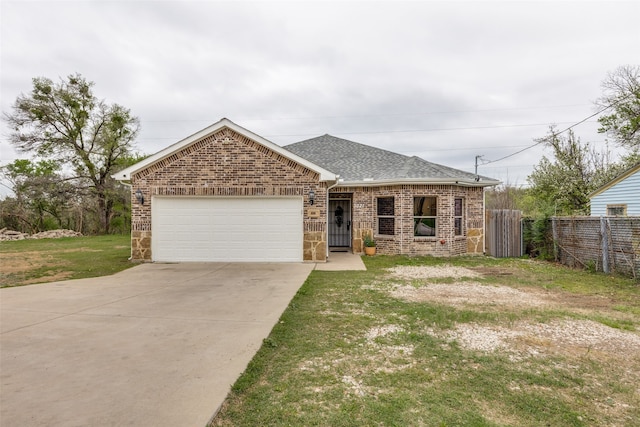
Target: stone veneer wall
228 164
404 242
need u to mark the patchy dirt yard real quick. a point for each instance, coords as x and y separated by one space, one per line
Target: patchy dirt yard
567 336
40 260
23 263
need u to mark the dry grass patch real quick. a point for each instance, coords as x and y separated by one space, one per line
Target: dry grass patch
567 337
574 340
432 272
372 356
20 265
22 262
467 293
46 260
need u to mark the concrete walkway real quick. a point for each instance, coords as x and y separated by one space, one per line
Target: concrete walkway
155 345
342 261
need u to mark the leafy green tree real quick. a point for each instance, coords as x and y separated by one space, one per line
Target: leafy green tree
564 182
13 215
121 195
41 194
65 122
504 196
519 198
621 91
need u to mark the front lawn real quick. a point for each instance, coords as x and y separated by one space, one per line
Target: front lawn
448 342
44 260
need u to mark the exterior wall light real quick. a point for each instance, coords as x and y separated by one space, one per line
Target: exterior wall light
312 196
140 196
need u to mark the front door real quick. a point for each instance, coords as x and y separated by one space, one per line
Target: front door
340 223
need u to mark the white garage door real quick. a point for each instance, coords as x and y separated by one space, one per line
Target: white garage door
226 229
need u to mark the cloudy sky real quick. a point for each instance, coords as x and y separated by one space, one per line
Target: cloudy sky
445 81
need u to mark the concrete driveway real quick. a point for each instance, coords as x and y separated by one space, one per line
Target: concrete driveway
155 345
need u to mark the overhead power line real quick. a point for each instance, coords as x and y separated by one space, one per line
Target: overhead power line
554 134
389 131
424 130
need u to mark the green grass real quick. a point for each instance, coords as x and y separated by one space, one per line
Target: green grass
324 364
43 260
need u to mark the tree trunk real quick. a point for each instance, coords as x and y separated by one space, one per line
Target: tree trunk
104 209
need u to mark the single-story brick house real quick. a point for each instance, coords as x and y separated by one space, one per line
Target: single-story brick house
227 194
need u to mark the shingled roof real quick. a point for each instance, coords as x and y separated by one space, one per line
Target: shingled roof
359 163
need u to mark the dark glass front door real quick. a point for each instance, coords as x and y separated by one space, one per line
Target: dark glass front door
340 223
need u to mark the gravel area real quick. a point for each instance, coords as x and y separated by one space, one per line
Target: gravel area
381 331
466 293
442 271
585 333
566 335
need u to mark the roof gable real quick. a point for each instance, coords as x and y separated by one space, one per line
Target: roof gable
125 174
357 163
624 175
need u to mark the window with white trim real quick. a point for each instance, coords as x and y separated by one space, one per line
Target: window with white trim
425 216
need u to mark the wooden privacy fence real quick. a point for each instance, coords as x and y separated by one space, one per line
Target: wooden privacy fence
503 234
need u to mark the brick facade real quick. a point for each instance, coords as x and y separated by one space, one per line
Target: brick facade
403 241
227 163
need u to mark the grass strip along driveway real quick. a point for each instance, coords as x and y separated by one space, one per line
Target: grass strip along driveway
26 262
448 342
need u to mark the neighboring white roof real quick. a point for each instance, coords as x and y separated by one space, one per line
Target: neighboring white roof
125 174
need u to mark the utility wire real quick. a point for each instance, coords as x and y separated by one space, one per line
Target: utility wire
383 131
554 134
422 130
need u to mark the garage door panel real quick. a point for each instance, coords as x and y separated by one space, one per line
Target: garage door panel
226 229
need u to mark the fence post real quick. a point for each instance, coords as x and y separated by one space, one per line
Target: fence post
521 236
611 245
605 245
554 230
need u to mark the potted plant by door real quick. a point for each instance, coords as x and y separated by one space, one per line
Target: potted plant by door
369 245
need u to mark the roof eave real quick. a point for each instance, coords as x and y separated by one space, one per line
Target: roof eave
624 175
125 174
462 182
